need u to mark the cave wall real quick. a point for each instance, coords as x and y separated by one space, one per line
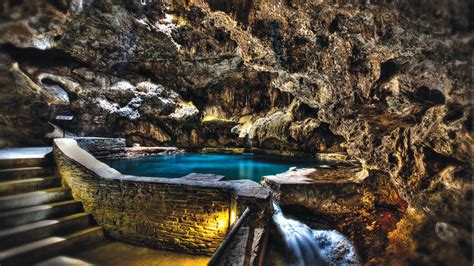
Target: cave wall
388 82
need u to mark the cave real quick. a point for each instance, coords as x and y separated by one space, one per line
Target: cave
249 132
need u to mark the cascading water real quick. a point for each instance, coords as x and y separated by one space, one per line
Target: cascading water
249 141
76 6
313 247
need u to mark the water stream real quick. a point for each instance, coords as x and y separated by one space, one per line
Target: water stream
249 141
313 247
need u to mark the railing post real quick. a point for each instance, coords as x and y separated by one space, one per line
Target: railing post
225 243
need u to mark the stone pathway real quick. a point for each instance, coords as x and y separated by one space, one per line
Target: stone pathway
39 219
24 153
118 253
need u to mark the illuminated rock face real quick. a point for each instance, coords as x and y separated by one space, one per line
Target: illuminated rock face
387 83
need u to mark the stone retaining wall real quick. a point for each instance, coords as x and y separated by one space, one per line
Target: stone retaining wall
178 214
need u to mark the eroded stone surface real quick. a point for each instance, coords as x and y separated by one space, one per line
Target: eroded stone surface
389 83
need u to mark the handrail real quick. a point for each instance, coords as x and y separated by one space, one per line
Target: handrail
227 240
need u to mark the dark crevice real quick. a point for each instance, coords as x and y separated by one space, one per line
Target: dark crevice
238 9
303 110
330 139
47 81
221 36
276 38
425 94
6 6
468 124
454 113
322 41
120 69
41 58
334 26
60 5
388 69
436 162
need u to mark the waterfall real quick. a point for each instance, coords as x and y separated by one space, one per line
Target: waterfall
76 6
249 141
313 247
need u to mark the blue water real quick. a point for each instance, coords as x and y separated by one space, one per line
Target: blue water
241 166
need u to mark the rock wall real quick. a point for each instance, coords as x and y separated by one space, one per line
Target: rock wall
102 147
175 214
388 82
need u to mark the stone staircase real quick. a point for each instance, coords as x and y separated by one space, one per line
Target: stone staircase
39 219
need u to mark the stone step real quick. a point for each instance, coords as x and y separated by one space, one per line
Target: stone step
25 172
49 247
28 185
24 162
36 213
64 261
29 199
26 233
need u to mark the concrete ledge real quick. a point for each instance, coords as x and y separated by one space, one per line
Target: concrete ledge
313 190
71 149
151 151
24 153
204 177
223 150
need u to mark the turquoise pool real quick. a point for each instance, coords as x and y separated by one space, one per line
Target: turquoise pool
241 166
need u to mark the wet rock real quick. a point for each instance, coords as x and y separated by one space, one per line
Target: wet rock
361 204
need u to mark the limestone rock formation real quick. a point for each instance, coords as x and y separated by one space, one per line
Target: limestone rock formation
389 83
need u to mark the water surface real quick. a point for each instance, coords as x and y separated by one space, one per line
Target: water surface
240 166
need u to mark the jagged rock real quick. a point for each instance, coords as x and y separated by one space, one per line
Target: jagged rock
184 112
51 94
274 127
151 131
66 84
388 83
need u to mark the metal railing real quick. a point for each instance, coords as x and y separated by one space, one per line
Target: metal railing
227 240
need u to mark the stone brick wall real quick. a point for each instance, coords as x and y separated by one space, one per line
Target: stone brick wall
176 214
